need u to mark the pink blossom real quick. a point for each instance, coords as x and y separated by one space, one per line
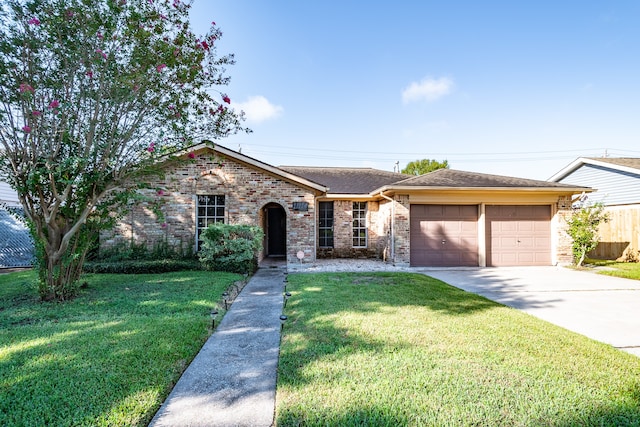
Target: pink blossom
226 99
151 147
100 36
26 129
205 45
33 21
163 16
161 67
176 3
213 22
160 192
191 155
104 55
54 104
89 74
36 113
25 87
70 13
136 88
176 52
163 225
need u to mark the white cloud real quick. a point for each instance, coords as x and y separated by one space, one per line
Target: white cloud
428 89
258 109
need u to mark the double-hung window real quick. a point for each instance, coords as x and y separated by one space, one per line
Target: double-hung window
325 224
210 210
359 226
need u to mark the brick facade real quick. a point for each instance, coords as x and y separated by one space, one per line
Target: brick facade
343 233
254 191
247 192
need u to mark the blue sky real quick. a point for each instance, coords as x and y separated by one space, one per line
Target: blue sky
510 88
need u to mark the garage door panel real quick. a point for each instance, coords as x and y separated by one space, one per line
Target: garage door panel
444 235
518 235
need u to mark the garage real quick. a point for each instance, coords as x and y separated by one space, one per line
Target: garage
518 235
443 235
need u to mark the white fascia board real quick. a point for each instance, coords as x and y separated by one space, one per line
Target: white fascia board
576 164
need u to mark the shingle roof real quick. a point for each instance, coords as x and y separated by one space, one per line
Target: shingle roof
347 180
461 179
630 162
16 246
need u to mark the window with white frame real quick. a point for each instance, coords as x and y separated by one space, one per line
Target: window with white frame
325 224
210 210
359 224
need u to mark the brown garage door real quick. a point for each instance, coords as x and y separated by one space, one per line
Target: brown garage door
444 235
518 235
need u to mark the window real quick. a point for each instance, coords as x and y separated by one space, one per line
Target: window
210 210
359 224
325 225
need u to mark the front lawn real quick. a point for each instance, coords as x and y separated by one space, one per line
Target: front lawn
403 349
107 358
627 270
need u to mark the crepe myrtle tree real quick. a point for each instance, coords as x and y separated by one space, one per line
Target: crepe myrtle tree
92 94
583 227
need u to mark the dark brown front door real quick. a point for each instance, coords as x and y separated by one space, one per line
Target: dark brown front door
276 232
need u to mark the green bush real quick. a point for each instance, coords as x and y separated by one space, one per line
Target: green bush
231 248
140 252
142 266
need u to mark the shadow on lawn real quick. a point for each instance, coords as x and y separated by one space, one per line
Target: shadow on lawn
319 300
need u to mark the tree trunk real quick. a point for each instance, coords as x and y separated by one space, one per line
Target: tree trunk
59 271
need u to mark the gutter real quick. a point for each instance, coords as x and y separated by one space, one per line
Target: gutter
393 226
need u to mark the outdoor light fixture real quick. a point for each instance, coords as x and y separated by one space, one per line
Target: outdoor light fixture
225 295
214 313
287 295
283 318
286 281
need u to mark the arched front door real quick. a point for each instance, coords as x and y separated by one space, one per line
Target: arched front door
275 230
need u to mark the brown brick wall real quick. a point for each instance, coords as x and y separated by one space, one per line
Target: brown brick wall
564 253
343 233
247 191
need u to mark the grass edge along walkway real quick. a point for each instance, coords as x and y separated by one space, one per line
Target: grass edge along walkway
107 358
406 349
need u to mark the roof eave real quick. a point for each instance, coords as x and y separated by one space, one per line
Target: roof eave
511 189
576 164
258 164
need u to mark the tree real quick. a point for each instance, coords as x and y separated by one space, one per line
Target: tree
583 229
419 167
93 93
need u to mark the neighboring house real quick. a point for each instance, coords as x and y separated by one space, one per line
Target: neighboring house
617 181
443 218
16 245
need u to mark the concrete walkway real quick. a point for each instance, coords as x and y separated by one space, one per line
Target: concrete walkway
232 380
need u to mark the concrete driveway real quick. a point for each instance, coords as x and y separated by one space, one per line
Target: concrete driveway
604 308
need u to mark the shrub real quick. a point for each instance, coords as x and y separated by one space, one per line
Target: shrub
583 229
231 248
630 255
142 266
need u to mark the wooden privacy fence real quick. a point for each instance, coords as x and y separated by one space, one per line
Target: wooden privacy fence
621 232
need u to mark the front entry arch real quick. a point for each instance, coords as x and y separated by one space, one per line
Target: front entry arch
275 230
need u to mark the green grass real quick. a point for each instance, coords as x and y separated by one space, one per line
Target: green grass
402 349
107 358
627 270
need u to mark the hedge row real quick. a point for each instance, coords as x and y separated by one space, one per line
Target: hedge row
142 266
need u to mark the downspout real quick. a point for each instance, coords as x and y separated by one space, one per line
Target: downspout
393 226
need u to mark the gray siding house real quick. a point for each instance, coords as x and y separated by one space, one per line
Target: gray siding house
616 182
